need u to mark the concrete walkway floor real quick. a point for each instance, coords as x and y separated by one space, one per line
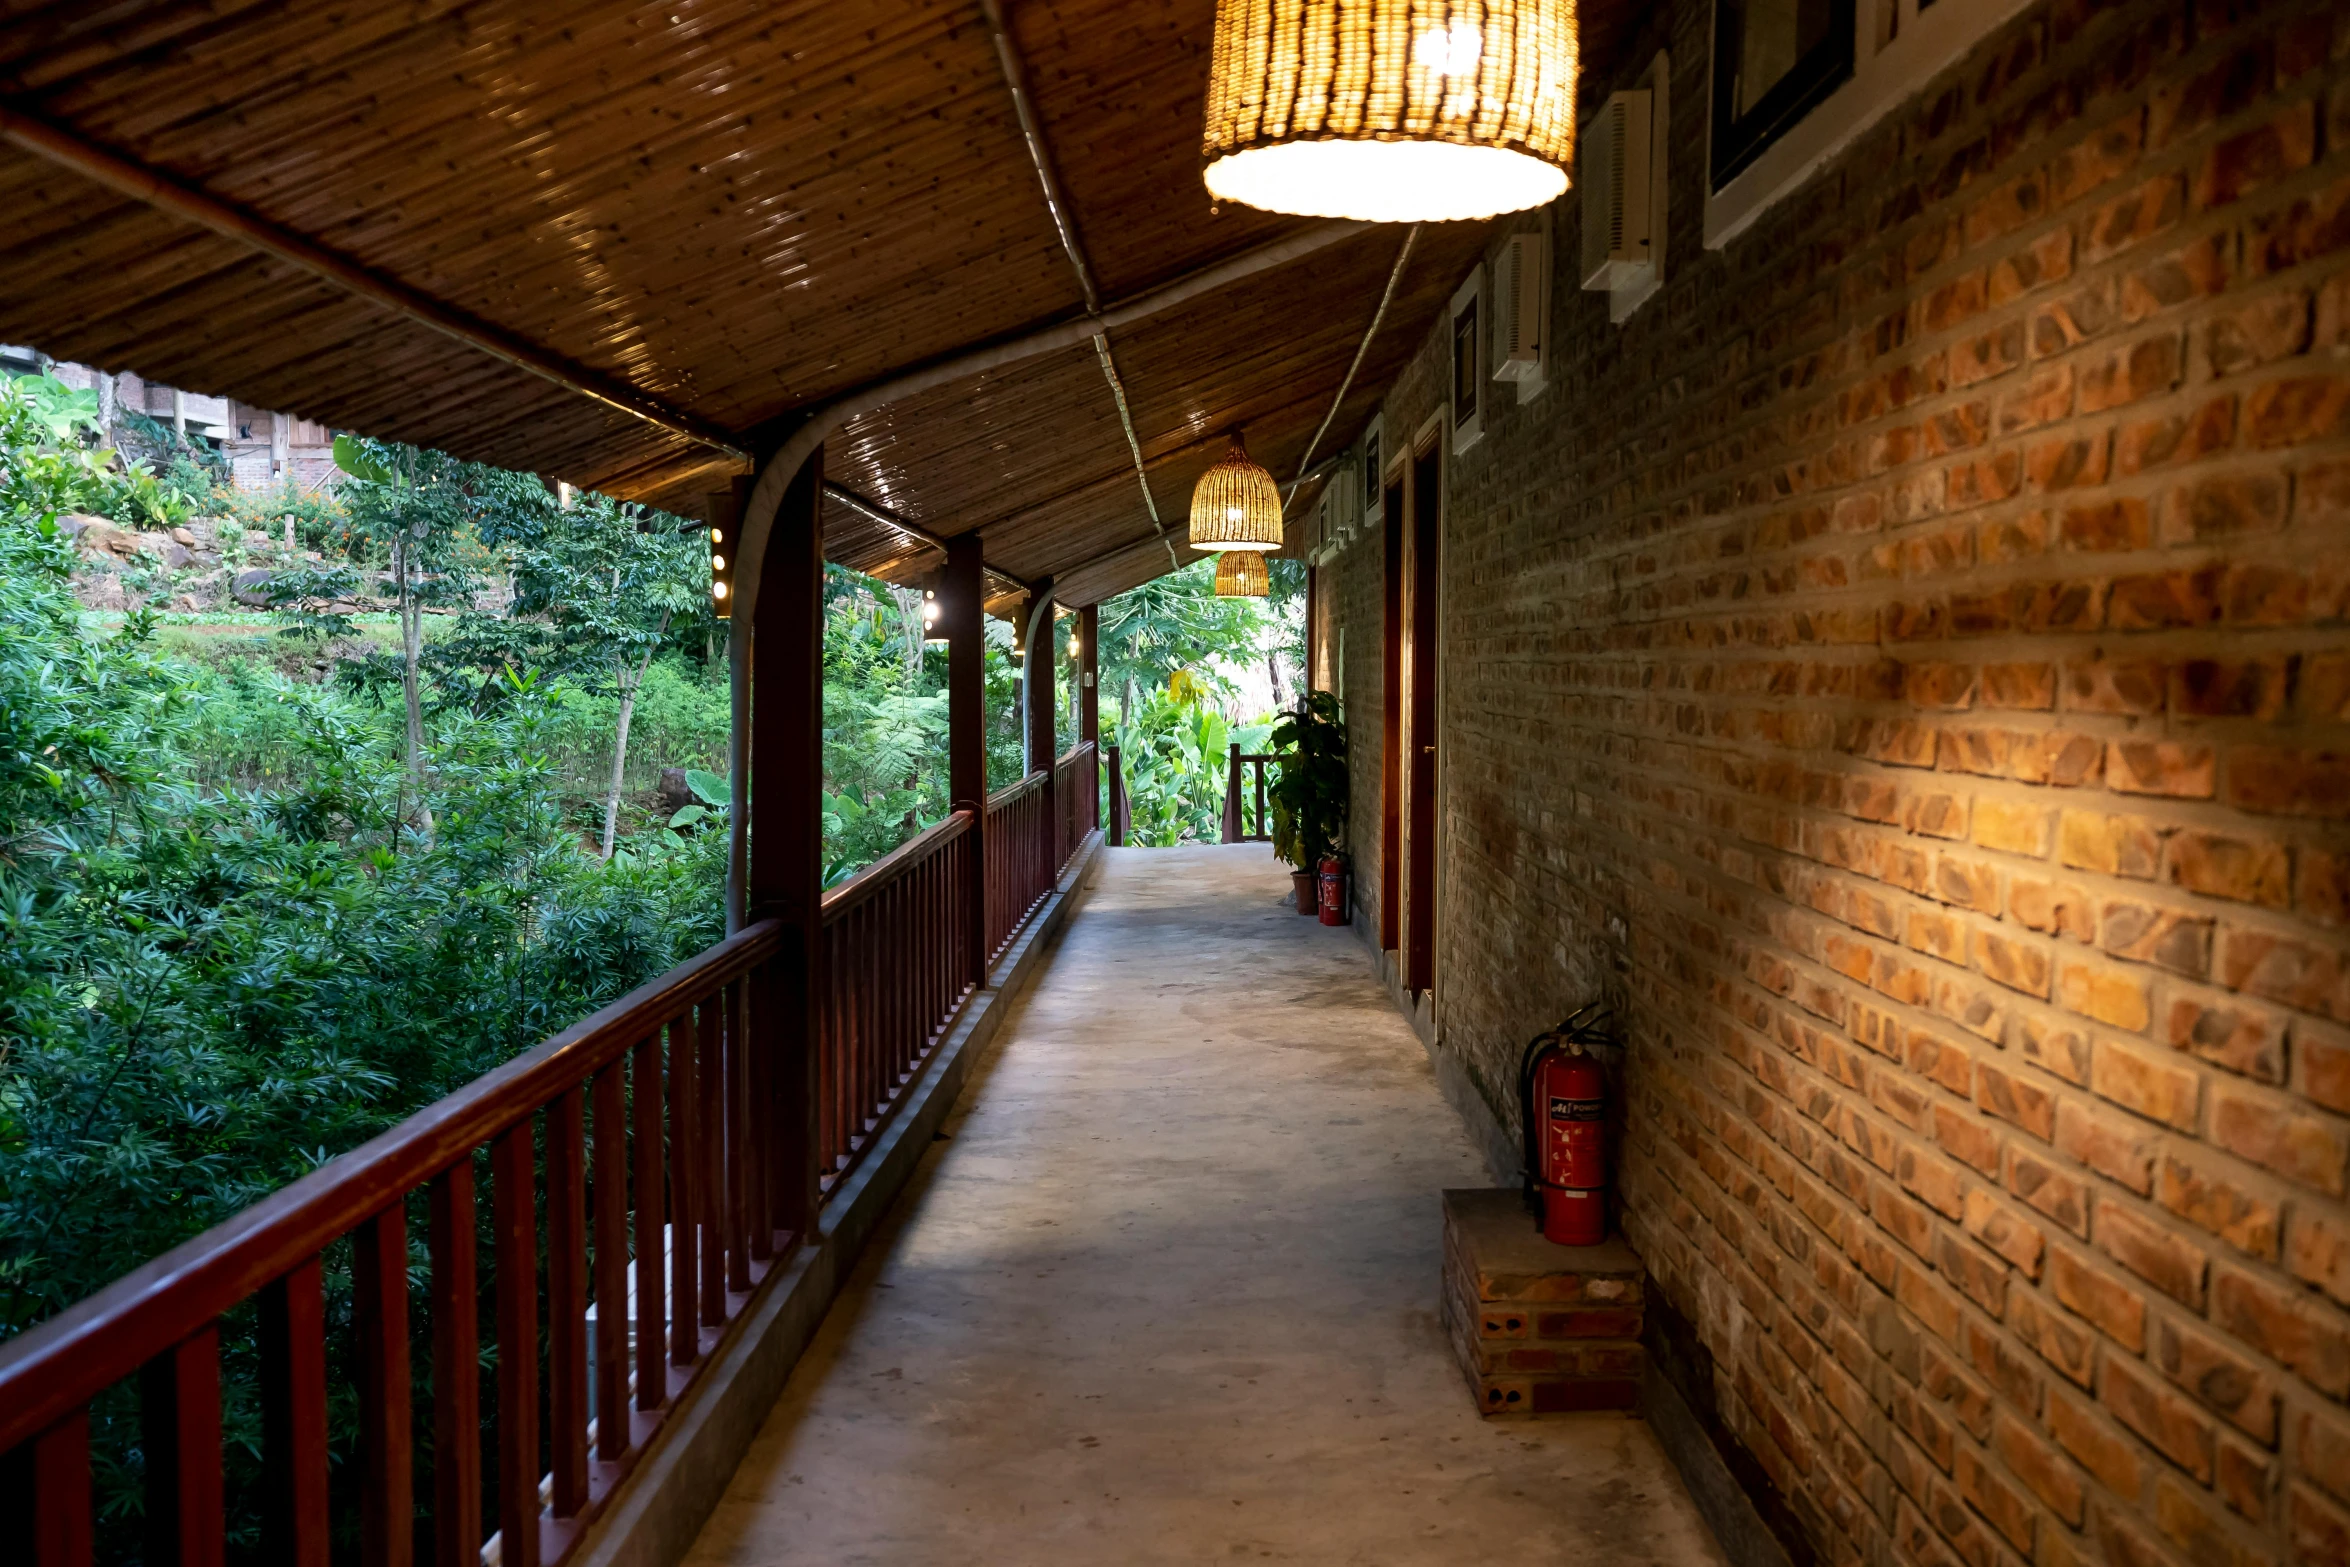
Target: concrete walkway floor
1165 1290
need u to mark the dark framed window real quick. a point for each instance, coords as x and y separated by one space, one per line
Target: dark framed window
1774 60
1467 385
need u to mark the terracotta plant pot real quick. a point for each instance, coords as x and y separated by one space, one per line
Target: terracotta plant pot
1307 892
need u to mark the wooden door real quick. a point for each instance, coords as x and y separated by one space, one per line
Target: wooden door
1427 528
1391 702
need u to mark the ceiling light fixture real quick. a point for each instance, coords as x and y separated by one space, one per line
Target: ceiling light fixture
1242 574
1236 505
1391 111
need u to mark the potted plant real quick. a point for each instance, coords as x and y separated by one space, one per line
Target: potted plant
1309 796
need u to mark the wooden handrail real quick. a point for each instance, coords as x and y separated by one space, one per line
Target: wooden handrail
49 1371
1013 791
876 877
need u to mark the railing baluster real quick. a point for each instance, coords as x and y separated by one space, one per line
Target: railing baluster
567 1368
456 1369
737 1185
710 1161
651 1216
293 1419
613 1313
56 1482
758 1119
379 1285
179 1435
514 1218
685 1158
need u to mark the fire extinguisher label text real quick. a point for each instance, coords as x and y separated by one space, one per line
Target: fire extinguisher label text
1574 1109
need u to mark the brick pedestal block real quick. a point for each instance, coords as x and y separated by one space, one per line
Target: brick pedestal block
1540 1329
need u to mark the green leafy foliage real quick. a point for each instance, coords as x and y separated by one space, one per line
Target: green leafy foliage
1310 794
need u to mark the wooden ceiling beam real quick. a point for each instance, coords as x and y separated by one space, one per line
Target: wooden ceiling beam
127 177
798 435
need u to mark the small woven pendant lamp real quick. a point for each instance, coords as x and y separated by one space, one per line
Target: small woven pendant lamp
1242 574
1236 505
1393 111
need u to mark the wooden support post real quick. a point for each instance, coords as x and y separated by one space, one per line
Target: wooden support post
1313 630
1089 674
1114 830
1232 798
785 878
1044 744
1089 700
961 597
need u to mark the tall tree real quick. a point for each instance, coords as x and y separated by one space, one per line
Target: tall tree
613 581
412 505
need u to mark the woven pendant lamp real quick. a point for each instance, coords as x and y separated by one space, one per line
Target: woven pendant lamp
1242 574
1392 111
1236 505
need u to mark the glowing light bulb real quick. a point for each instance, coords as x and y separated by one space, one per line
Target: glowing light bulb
718 535
718 590
717 563
1449 51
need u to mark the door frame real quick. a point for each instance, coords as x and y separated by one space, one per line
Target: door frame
1394 506
1423 894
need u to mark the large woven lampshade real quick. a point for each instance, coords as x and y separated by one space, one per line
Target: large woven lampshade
1393 111
1242 574
1236 505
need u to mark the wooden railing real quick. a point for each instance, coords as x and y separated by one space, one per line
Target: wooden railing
896 967
1237 825
1077 792
664 1184
660 1185
1019 857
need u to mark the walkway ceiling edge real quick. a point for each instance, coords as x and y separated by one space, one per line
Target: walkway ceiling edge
820 421
127 177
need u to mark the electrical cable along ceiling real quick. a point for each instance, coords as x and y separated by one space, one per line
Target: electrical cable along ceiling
608 247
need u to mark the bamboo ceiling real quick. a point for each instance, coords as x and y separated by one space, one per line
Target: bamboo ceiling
738 207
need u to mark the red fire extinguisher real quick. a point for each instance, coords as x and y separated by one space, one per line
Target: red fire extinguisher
1333 900
1562 1100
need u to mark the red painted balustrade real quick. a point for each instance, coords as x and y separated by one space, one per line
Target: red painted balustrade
1077 790
1019 857
645 1156
896 968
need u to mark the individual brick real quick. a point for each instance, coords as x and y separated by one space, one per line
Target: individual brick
2107 994
2116 845
2227 1383
2129 686
2049 1190
2205 1196
2114 1146
2296 410
2228 506
2160 1256
2286 781
2113 1307
2145 933
2270 1132
2039 1466
2171 1426
2026 829
2253 159
2084 1433
2165 767
2306 1338
2236 866
2139 1079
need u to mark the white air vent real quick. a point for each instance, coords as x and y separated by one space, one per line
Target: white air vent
1521 308
1345 510
1616 237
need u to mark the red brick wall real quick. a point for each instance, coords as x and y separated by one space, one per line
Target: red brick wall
1906 668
